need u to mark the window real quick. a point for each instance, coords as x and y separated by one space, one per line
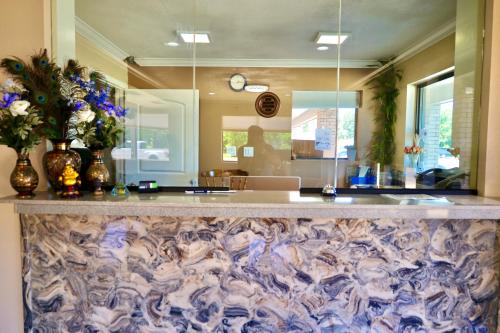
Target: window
315 110
273 133
435 124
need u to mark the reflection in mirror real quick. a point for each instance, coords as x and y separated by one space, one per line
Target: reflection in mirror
421 104
313 114
161 127
408 92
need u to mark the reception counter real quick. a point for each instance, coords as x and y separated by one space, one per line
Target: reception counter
259 262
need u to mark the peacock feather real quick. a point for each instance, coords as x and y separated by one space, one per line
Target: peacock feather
49 88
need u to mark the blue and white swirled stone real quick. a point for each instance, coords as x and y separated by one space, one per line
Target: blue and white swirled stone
168 274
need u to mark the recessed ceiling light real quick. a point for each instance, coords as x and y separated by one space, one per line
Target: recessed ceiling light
330 38
172 44
322 48
256 88
211 93
197 37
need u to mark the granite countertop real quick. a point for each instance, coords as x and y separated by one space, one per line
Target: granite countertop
261 204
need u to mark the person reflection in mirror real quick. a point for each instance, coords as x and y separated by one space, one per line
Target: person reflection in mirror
265 159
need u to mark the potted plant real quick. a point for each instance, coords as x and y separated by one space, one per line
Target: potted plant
386 92
19 130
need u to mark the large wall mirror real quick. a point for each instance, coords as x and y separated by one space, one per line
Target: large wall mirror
404 114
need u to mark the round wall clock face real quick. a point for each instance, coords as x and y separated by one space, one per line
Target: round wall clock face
237 82
267 104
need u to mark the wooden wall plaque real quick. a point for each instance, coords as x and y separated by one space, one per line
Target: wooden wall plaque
267 104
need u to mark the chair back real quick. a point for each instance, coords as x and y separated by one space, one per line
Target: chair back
265 183
218 177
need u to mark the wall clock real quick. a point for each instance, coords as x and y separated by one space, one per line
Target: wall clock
267 104
237 82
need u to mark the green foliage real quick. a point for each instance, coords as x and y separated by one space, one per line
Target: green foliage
100 136
278 140
445 128
234 138
347 124
20 132
385 88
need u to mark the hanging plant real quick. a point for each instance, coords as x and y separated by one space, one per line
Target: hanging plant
386 91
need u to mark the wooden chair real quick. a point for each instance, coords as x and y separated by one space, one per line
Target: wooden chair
219 178
265 183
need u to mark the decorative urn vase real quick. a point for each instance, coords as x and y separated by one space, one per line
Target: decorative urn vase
97 173
24 178
55 160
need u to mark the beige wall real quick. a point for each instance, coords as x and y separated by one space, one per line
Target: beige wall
432 60
24 30
225 102
489 135
91 56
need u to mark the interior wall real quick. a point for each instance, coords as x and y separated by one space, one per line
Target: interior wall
88 54
468 65
225 102
25 26
432 60
489 134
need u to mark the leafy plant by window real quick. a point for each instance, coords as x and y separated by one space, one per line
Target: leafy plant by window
386 91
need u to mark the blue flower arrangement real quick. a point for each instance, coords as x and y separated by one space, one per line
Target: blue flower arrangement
99 122
74 102
46 87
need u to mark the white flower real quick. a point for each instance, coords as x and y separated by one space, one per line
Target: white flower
18 108
85 116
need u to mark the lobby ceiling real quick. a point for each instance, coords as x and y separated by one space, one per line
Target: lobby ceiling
264 29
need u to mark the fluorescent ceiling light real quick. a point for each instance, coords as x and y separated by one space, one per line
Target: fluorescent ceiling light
331 38
322 48
198 37
172 44
256 88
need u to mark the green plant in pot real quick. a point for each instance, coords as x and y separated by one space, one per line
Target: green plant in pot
50 89
386 92
19 130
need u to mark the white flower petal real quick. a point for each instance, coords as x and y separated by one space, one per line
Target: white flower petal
18 108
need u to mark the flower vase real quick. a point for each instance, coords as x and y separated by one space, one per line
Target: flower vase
55 160
24 178
97 173
410 177
411 172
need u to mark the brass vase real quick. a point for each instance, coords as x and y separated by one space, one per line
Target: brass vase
97 173
24 178
55 160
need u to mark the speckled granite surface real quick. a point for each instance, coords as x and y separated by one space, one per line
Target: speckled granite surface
189 274
262 204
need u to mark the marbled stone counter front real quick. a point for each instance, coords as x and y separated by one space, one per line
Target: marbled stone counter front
241 274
